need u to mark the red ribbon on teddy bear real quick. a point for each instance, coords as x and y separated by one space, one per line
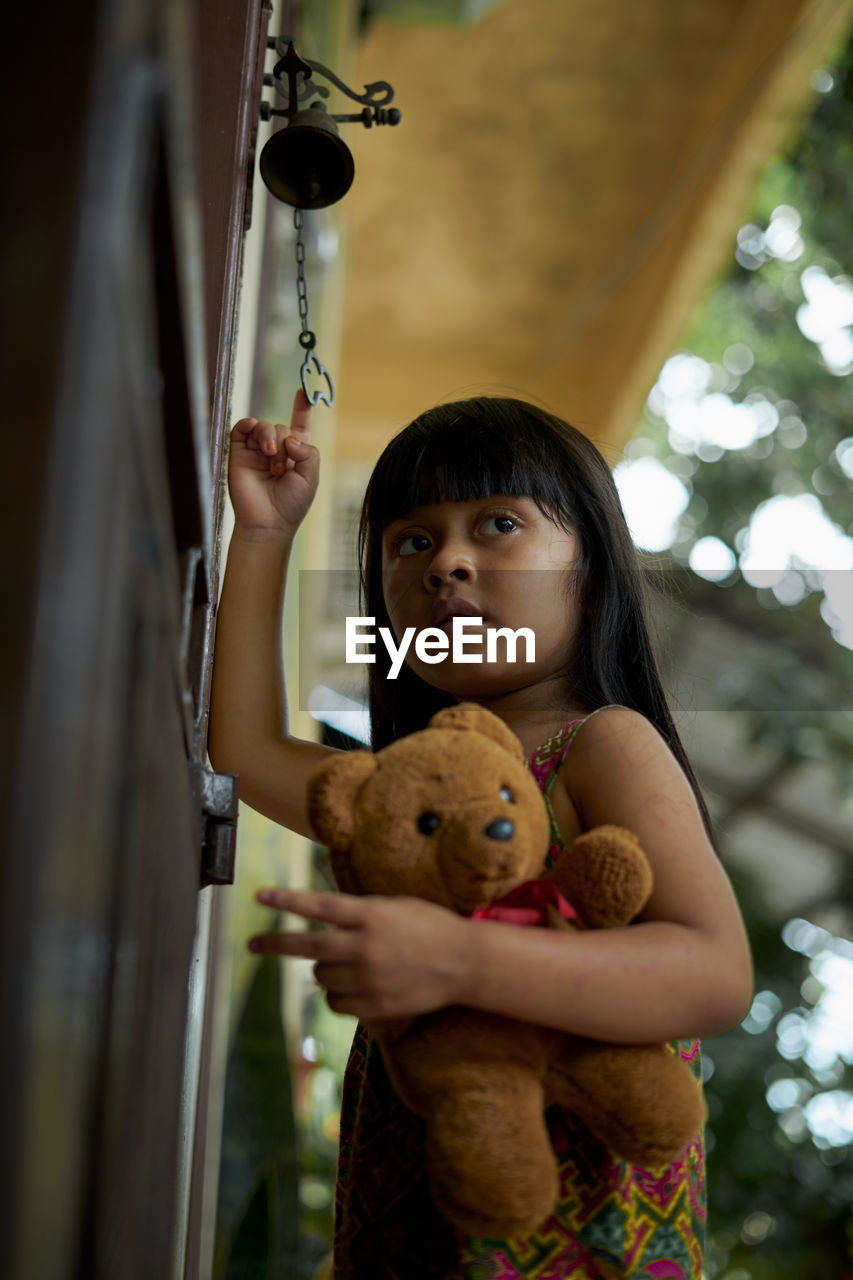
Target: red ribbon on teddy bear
527 904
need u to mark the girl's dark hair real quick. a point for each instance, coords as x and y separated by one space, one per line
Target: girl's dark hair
471 449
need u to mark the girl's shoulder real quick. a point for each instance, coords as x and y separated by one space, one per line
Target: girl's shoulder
615 737
571 765
620 761
604 724
551 753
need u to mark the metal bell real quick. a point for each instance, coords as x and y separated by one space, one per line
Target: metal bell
306 164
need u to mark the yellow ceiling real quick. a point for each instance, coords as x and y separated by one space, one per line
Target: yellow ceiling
567 178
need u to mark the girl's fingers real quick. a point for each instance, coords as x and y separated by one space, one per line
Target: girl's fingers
293 451
342 909
262 435
269 438
334 976
246 425
325 946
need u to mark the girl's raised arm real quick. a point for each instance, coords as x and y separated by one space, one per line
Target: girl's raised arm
273 474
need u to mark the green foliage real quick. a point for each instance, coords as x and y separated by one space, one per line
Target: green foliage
257 1213
779 1197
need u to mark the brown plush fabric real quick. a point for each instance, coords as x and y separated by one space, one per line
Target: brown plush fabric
419 819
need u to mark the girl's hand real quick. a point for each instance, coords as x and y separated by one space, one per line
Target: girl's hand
382 958
273 472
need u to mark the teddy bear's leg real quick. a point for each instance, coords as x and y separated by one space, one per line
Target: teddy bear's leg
489 1156
640 1100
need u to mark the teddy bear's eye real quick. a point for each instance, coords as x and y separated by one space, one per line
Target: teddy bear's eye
427 823
506 794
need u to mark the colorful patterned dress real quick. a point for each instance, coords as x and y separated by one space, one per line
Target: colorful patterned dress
612 1219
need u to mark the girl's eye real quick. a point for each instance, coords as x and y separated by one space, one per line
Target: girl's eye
411 545
506 794
427 823
501 524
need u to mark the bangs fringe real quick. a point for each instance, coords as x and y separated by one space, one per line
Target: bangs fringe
450 454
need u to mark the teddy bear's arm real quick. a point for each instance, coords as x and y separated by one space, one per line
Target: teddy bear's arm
605 875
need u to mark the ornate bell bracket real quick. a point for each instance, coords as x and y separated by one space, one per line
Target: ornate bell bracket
290 78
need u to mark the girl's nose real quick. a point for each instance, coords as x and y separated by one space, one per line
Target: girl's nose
447 568
451 561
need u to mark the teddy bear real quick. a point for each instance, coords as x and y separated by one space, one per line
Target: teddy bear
451 814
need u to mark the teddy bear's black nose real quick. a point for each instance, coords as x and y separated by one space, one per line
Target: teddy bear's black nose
500 829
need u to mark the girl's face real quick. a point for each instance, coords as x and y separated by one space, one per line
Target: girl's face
497 558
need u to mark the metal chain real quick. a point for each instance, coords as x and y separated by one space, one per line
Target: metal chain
307 338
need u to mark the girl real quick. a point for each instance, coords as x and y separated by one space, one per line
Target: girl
495 508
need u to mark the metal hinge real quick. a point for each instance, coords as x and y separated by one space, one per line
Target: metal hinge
217 797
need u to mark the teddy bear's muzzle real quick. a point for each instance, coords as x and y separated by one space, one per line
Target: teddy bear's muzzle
500 829
480 860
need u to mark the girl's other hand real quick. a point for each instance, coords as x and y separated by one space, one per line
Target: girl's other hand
381 958
273 471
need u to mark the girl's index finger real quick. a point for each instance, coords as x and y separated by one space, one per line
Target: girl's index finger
341 909
300 418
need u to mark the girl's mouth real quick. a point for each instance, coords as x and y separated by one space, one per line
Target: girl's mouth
471 619
444 611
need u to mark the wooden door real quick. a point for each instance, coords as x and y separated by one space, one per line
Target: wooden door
120 278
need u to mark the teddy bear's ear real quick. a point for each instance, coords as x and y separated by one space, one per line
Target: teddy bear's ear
470 716
332 791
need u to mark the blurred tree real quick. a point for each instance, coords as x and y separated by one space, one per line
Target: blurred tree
780 1162
758 406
